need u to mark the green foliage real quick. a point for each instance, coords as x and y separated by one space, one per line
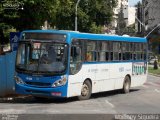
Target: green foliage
98 12
60 14
65 15
151 70
7 22
35 13
95 29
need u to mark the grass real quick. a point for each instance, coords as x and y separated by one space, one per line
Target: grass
153 71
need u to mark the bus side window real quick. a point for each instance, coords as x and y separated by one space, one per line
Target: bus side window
90 51
76 56
88 56
117 51
75 53
134 56
104 51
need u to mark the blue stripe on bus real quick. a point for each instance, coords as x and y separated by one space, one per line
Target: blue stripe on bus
109 62
107 37
78 35
22 89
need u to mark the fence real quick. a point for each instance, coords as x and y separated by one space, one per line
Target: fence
7 68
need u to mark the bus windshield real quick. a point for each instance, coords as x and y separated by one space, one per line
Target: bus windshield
46 58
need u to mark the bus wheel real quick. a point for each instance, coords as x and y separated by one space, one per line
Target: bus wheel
126 85
85 91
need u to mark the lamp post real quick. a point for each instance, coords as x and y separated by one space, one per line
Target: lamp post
76 15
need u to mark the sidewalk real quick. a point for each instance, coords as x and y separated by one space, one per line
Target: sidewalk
152 71
154 74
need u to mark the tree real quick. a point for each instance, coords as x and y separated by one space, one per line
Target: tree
95 29
1 37
32 16
35 13
65 15
60 14
92 11
6 23
90 16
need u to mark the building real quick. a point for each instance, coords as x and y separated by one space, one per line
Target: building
131 15
121 6
124 16
152 12
139 23
152 22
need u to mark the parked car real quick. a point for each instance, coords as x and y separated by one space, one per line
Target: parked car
151 59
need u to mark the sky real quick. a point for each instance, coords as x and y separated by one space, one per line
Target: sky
133 2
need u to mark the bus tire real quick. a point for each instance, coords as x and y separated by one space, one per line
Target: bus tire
86 91
126 85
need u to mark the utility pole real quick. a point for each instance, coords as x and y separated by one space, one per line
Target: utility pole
76 15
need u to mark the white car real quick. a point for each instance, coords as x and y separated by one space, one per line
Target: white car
152 59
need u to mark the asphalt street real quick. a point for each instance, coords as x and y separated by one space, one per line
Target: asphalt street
141 100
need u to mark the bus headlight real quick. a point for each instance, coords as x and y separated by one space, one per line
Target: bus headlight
18 80
60 82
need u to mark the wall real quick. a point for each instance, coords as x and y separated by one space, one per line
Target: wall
7 68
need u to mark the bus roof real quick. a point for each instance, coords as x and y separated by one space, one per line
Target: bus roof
79 35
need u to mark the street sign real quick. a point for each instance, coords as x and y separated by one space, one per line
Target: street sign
14 39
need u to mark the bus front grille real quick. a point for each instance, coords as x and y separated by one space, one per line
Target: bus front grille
39 84
38 92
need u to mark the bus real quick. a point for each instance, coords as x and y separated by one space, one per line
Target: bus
58 63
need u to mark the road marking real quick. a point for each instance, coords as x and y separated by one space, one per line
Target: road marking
157 90
109 103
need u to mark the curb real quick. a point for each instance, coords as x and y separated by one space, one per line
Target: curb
12 98
154 74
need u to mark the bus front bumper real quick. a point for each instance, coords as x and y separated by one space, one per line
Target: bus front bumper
43 92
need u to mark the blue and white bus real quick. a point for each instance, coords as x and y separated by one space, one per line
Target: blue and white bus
55 63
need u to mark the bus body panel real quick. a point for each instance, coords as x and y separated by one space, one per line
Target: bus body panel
75 82
40 86
43 92
138 80
105 77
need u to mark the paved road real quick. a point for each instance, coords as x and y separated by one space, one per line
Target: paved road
144 99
